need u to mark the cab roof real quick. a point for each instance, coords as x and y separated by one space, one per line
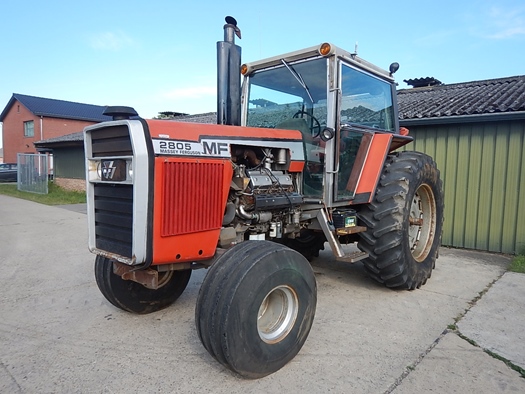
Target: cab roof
314 51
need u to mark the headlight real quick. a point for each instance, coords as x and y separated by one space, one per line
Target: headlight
94 170
99 170
130 170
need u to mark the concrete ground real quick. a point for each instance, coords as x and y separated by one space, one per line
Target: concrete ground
59 335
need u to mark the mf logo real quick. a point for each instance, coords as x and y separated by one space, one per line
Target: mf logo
108 169
215 148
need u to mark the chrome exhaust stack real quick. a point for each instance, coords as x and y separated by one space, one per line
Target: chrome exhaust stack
229 76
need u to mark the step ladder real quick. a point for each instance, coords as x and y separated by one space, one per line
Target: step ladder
332 238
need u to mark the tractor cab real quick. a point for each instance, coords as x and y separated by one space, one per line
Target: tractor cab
338 102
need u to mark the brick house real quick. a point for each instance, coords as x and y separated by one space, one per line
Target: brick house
27 119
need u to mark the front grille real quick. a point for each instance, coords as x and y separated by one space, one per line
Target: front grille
114 218
111 141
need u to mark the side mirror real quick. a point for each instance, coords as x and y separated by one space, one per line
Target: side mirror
394 67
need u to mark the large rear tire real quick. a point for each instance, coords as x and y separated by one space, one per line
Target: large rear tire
255 307
132 296
404 221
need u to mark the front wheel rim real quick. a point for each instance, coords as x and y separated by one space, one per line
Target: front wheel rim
277 314
422 222
165 278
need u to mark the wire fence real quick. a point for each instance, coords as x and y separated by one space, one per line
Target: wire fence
32 173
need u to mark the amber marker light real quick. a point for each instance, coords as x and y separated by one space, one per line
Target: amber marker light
244 69
325 49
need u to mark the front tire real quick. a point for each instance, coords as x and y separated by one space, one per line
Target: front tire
132 296
404 221
256 307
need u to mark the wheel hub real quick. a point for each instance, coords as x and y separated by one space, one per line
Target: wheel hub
164 278
422 222
277 314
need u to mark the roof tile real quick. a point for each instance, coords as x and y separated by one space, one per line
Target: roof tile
467 98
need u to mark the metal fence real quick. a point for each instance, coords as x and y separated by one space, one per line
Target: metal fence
32 173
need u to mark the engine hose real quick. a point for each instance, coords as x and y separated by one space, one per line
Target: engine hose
259 217
229 214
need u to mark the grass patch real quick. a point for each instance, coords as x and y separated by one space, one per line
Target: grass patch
509 364
518 263
471 341
56 195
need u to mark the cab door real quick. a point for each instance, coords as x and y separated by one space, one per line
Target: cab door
366 124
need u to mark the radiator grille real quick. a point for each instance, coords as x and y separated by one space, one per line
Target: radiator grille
111 141
114 218
192 197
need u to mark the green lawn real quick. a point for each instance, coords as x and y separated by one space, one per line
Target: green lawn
55 196
518 263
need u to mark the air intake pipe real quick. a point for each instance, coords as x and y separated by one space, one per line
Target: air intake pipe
229 76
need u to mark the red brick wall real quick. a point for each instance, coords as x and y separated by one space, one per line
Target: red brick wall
55 127
13 130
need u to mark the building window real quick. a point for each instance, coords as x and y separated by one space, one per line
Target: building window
29 129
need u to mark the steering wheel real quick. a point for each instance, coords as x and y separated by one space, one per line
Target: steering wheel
315 129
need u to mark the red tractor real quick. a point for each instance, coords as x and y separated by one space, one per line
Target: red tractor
304 153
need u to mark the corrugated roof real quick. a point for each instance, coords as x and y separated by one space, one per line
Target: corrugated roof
421 82
501 95
73 137
58 108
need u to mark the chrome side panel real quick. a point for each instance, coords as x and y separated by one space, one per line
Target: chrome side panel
140 183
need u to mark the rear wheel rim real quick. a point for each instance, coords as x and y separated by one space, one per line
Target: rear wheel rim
277 314
422 223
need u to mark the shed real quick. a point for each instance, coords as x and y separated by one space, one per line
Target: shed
69 160
476 133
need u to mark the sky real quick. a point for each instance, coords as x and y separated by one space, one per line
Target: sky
161 55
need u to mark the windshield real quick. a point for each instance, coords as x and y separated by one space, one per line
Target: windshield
366 100
290 91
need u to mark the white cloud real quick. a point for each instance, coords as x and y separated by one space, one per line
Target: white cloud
111 41
509 33
506 22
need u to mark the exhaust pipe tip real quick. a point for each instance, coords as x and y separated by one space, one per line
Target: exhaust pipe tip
120 112
229 28
230 20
